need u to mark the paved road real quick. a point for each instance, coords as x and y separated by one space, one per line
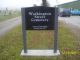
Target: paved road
9 24
73 20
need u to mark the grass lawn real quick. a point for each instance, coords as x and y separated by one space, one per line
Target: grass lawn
6 17
11 44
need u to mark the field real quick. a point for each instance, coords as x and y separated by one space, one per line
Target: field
7 16
11 44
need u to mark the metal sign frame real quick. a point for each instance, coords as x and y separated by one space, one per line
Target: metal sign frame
55 48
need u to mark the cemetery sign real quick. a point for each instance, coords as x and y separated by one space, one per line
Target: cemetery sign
39 18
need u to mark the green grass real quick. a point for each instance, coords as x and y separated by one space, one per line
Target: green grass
11 44
6 17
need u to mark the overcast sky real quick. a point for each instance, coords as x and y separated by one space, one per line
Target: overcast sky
27 3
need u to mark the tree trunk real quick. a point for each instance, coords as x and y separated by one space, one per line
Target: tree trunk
44 3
